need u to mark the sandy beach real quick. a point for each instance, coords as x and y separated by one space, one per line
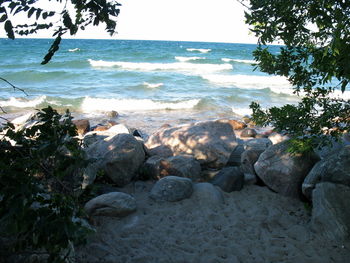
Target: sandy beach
252 225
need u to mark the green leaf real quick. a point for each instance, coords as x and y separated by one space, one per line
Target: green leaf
9 29
3 18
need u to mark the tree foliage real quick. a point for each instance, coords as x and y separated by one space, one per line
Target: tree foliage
315 59
67 20
39 188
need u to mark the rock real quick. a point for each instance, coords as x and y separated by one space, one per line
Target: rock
136 133
112 204
100 128
237 125
334 169
331 211
171 189
210 142
112 114
207 195
83 126
250 179
246 119
120 156
182 165
21 120
209 174
25 121
235 157
229 179
248 159
283 172
259 144
277 138
248 132
161 150
94 136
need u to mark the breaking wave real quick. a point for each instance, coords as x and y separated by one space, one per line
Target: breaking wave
91 105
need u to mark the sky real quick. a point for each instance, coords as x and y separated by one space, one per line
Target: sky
180 20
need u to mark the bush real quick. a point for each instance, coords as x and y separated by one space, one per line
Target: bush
40 176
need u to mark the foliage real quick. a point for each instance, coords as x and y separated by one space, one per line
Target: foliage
39 205
68 20
315 59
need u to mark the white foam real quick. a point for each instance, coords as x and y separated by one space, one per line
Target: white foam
201 50
152 85
251 81
22 103
242 111
74 50
177 66
91 105
246 61
185 59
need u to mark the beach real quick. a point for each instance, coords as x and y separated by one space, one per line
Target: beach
252 225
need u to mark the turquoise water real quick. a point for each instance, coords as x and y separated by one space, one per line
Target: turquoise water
92 77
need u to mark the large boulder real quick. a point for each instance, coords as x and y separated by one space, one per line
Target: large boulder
182 165
259 144
334 168
283 171
94 136
331 211
112 204
119 156
207 195
171 189
248 159
229 179
210 142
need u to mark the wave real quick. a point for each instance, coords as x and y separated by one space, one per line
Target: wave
22 103
74 50
275 83
242 111
185 59
201 50
246 61
92 105
152 85
177 66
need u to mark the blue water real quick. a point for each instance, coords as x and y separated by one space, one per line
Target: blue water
129 76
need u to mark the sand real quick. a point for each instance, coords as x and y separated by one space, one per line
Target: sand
253 225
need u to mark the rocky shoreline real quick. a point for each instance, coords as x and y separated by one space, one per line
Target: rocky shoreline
212 191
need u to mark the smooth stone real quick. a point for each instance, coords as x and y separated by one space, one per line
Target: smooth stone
229 179
112 204
331 211
172 189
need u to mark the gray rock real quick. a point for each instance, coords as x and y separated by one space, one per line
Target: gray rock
95 136
259 144
112 204
334 168
282 171
250 179
248 132
210 142
235 157
157 167
331 211
119 156
161 150
207 195
248 159
171 189
229 179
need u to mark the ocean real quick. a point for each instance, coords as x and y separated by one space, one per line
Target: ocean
148 83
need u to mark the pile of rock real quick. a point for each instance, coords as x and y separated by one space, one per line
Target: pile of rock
207 156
